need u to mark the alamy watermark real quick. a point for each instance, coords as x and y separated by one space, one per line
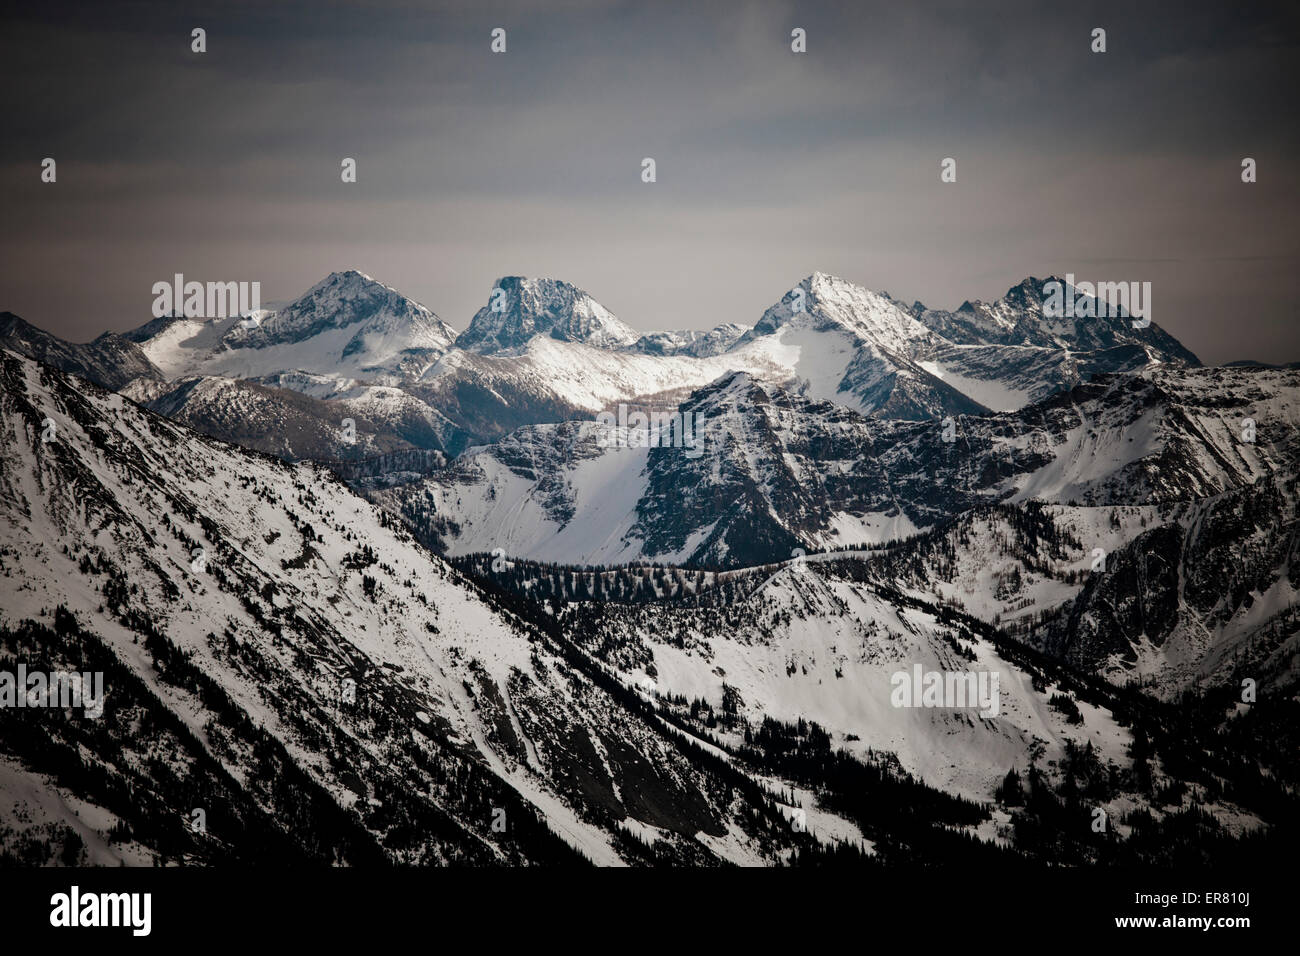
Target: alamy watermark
213 300
53 689
952 690
131 911
1087 300
639 429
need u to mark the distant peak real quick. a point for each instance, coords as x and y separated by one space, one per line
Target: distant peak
9 321
534 293
345 299
519 308
538 283
824 280
1033 285
824 301
345 278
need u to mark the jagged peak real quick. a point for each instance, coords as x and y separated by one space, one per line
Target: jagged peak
11 322
349 284
521 307
1029 289
743 391
344 299
1019 317
830 301
343 276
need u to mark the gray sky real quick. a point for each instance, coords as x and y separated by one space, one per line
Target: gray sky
472 165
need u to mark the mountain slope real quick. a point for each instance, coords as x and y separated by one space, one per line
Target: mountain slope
110 361
289 631
521 308
691 342
1021 318
1207 599
1185 594
1008 353
281 655
770 470
293 425
347 325
872 369
542 350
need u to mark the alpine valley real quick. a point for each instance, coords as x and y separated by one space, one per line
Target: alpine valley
365 590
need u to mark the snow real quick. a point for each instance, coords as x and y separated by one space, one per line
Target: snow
828 659
278 345
33 802
505 510
211 476
820 358
955 751
990 393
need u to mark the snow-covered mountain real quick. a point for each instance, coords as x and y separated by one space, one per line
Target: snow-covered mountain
546 341
1021 318
1207 598
542 351
692 342
1007 353
814 646
767 470
855 347
347 325
1182 594
521 308
357 423
1007 377
110 360
555 349
542 346
277 649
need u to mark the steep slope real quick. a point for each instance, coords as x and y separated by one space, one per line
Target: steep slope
761 471
816 648
1008 353
1186 594
346 325
292 425
279 654
855 347
110 361
542 350
1008 377
309 667
521 308
554 350
750 472
1207 599
1021 318
804 645
542 347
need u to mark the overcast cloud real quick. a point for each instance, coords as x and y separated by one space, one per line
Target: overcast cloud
225 165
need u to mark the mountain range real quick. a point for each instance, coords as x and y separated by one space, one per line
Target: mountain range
543 350
368 589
